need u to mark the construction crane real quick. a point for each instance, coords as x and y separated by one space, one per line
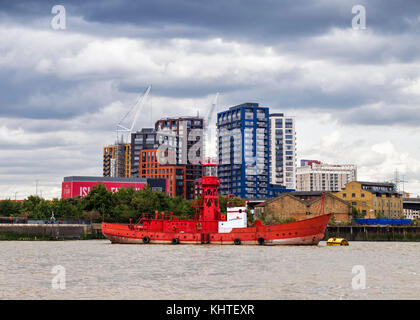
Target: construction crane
120 162
207 132
212 108
137 106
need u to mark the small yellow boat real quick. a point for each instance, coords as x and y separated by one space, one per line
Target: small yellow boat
337 242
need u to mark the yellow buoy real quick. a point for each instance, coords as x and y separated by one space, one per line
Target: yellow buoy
337 242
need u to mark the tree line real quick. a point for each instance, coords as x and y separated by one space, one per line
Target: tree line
100 204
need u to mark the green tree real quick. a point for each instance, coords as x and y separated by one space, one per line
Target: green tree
99 199
30 203
356 213
332 221
148 201
250 216
181 207
42 210
379 214
233 202
123 209
10 208
69 208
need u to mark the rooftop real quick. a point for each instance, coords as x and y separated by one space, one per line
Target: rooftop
377 184
146 130
180 118
416 200
246 104
102 179
307 193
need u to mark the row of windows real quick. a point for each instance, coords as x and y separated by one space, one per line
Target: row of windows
155 171
388 204
353 195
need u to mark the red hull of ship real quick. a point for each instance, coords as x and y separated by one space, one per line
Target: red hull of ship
162 231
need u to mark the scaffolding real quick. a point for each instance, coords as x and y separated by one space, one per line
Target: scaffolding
120 160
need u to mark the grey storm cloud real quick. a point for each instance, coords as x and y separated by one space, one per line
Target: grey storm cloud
290 27
255 21
62 92
382 115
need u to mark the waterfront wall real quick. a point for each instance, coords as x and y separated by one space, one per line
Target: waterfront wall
374 233
54 231
94 231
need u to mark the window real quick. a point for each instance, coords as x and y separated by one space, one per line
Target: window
353 195
344 195
363 195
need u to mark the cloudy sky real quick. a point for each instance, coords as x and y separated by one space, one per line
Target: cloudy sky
355 92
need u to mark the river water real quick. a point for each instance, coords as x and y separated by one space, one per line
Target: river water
97 269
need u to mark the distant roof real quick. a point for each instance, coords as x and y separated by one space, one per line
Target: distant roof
246 104
316 196
144 130
411 200
102 179
376 184
181 118
307 193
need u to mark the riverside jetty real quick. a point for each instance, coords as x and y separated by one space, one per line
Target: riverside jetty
374 233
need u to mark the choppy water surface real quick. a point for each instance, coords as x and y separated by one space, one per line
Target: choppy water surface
98 269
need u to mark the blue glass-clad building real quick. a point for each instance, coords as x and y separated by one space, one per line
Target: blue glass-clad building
244 151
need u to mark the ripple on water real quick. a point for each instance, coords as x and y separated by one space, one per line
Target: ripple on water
98 270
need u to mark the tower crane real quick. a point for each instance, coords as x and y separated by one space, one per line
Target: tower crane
208 133
120 162
137 106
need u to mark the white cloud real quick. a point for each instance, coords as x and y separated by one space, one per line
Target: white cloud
96 71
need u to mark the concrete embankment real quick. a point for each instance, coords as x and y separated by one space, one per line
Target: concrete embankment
374 233
94 231
50 231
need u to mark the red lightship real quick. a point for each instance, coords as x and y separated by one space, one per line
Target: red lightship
210 227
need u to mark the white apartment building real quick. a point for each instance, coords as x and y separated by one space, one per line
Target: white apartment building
324 177
282 150
411 208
